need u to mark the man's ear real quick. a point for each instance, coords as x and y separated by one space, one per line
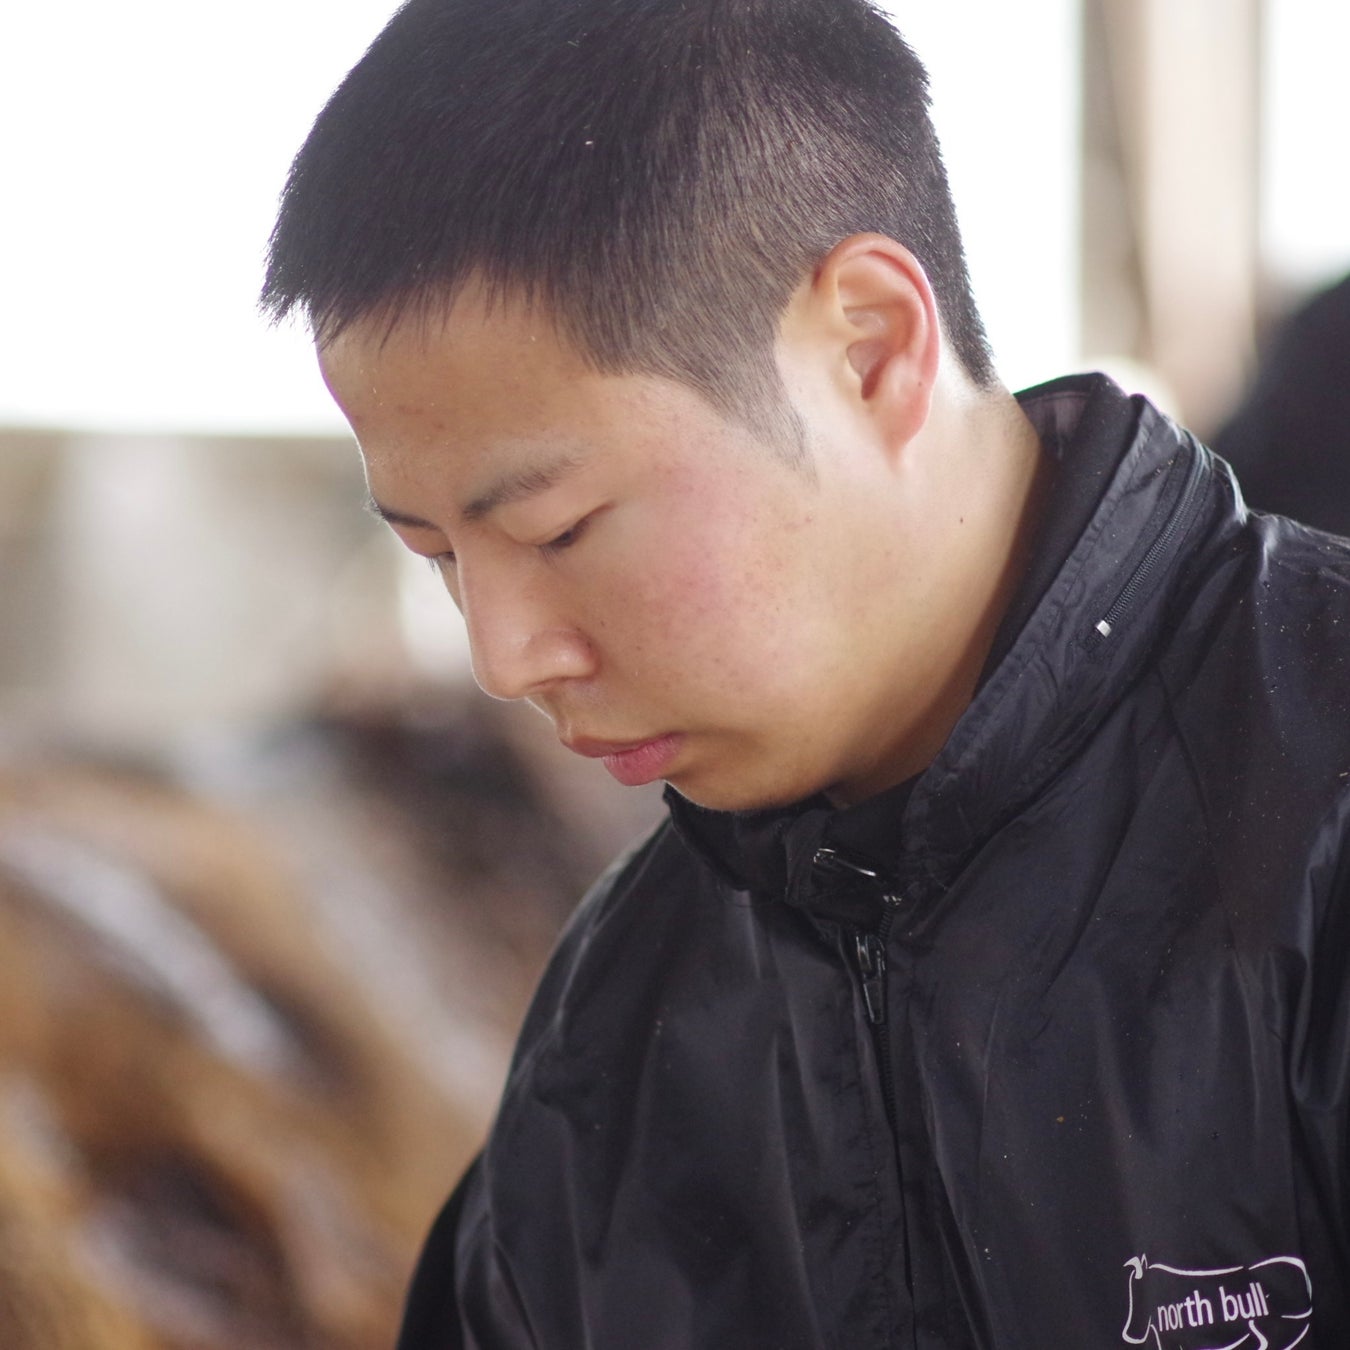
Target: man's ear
882 310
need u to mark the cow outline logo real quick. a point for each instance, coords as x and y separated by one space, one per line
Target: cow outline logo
1263 1306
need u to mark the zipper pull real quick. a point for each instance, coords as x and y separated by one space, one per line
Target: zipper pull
834 863
830 860
872 970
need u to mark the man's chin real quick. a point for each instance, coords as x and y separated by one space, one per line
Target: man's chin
728 793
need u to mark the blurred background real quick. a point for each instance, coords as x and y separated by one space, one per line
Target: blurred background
274 885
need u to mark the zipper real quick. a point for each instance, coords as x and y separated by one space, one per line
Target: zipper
1178 517
869 954
869 951
872 974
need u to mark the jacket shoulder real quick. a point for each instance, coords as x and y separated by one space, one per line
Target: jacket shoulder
1257 673
1274 613
655 867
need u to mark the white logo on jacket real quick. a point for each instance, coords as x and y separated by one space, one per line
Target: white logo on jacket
1264 1306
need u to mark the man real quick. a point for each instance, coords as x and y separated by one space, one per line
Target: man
985 987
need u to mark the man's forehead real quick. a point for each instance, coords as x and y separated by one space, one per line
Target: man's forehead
485 406
473 315
469 365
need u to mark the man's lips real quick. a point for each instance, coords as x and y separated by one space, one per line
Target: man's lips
631 762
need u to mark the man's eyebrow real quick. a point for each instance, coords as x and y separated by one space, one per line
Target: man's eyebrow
512 487
392 517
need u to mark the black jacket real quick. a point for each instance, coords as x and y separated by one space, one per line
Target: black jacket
1046 1050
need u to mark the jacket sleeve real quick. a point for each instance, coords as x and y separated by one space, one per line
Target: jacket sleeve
461 1296
430 1318
464 1295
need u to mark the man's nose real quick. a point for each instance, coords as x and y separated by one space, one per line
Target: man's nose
521 638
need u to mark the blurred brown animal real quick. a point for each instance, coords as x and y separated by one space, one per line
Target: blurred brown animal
249 1034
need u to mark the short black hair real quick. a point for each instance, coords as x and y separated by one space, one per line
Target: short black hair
659 174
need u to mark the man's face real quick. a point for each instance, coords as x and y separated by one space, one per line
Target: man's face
680 601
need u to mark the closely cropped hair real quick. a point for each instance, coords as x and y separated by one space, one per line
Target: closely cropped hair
660 175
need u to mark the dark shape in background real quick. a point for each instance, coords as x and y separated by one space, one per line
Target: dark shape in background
1289 440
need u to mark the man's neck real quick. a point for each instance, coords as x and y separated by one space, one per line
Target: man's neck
1000 472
